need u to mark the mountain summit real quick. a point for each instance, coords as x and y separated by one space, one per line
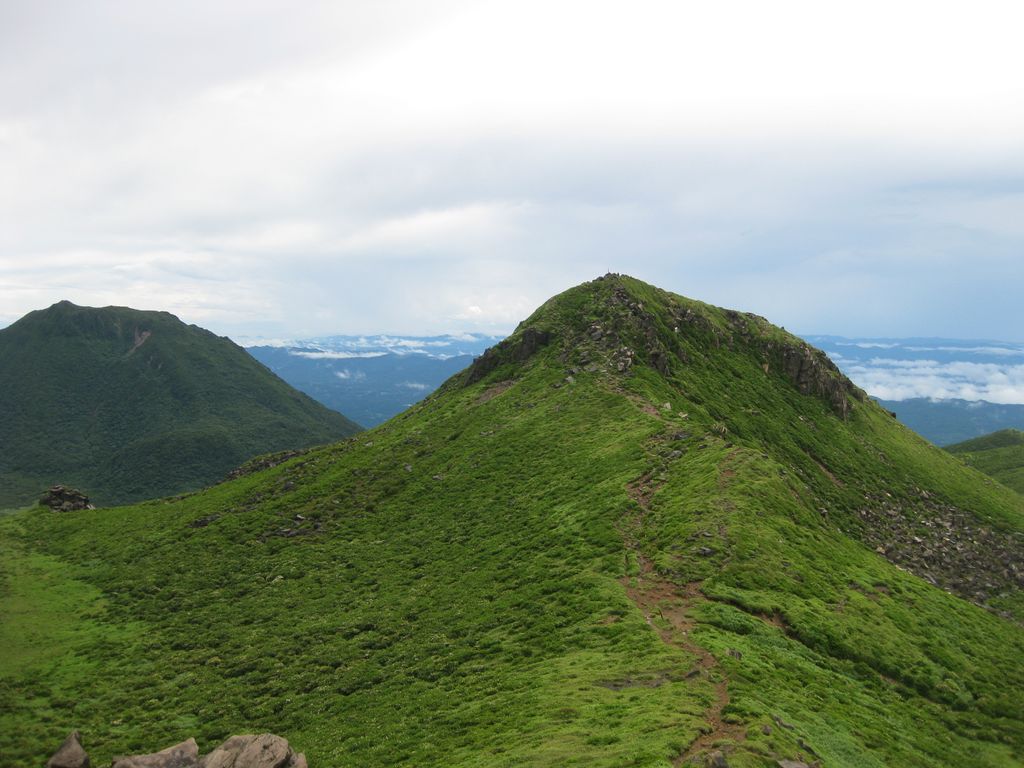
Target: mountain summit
641 531
131 405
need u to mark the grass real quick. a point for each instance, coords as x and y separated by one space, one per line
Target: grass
448 588
999 455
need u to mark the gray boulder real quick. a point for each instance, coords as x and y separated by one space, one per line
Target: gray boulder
70 754
184 755
263 751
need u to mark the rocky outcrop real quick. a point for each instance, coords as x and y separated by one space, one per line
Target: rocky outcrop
263 462
71 754
264 750
812 373
60 498
517 348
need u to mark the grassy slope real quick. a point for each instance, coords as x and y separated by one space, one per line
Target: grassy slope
82 407
1000 455
461 596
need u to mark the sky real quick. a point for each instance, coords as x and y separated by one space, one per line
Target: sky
289 170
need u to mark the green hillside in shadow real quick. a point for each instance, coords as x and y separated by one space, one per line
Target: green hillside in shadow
129 405
999 455
641 531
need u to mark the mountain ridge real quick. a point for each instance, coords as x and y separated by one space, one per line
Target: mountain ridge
646 549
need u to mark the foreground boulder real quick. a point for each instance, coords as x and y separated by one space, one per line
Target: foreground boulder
262 751
60 498
184 755
71 754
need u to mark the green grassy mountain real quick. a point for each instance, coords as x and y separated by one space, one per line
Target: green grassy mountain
641 531
130 405
1000 455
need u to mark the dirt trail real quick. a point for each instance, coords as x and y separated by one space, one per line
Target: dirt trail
666 607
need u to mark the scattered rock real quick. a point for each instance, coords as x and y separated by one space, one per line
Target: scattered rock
791 764
943 544
263 751
184 755
782 723
705 551
263 462
252 751
735 654
717 760
71 754
60 498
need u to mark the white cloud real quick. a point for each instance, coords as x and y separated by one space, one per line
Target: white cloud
347 375
331 355
423 167
902 379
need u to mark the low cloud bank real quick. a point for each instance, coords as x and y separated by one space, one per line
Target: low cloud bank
940 369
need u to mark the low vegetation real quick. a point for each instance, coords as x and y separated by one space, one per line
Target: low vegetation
636 533
999 455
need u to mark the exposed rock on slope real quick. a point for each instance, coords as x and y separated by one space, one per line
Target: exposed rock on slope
71 754
262 751
62 499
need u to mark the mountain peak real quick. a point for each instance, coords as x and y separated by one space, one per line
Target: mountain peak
128 403
617 323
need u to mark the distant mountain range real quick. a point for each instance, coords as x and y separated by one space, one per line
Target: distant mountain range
370 378
945 422
947 390
935 386
130 405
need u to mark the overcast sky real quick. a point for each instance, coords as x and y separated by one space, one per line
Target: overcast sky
293 169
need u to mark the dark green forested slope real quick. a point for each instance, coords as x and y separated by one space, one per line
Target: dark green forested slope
1000 455
639 532
131 405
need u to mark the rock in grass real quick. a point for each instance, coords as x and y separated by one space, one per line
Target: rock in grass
263 751
60 498
71 754
184 755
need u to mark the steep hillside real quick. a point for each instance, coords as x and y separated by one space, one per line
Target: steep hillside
130 405
640 531
1000 455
